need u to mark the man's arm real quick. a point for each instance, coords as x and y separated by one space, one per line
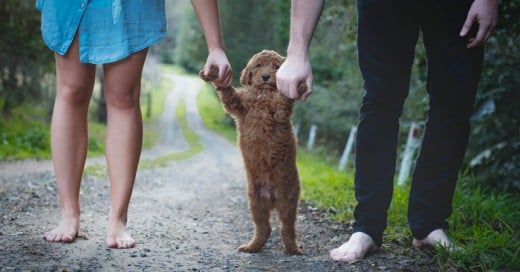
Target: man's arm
304 18
207 14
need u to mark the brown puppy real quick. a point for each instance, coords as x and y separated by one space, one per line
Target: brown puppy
268 144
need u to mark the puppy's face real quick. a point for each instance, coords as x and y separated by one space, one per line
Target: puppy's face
261 70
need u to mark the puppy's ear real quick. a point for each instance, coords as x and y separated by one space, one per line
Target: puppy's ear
247 74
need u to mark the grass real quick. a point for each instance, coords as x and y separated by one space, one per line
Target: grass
485 222
213 115
24 134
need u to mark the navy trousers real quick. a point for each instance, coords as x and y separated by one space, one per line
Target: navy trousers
387 35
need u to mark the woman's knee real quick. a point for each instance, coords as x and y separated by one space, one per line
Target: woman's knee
122 98
74 94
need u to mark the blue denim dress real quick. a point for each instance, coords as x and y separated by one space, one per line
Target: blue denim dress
108 30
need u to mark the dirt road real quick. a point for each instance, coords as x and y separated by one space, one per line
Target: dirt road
188 216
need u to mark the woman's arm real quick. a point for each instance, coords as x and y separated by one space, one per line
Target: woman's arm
208 16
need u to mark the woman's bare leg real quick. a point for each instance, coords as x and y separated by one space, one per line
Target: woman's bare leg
123 141
75 81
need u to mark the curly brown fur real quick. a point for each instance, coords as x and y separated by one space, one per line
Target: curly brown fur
268 144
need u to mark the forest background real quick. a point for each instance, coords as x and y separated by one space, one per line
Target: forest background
493 157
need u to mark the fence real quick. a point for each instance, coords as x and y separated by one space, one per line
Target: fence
413 143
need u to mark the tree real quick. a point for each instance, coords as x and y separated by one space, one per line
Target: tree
24 58
494 149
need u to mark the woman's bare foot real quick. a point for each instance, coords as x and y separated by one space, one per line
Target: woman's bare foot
356 248
117 237
65 232
436 238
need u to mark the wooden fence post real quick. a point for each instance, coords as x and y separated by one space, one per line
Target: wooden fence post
412 144
348 149
296 129
312 137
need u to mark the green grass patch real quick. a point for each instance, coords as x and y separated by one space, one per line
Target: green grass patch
25 134
325 187
487 225
213 115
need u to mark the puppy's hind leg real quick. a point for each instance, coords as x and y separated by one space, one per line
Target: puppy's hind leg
287 210
261 211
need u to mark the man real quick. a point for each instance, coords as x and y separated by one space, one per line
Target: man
454 33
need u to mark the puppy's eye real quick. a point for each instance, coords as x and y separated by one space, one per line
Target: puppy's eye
258 65
276 66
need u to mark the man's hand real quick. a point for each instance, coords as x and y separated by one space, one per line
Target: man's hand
484 13
291 73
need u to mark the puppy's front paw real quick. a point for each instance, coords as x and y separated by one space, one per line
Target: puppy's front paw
301 88
212 75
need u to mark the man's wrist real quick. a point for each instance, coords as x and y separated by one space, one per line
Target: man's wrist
298 52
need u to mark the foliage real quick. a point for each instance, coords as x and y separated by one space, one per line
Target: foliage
23 134
164 49
243 35
494 149
190 52
250 26
24 58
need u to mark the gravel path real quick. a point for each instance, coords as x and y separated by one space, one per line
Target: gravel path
188 216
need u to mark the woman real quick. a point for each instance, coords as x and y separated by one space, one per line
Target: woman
117 35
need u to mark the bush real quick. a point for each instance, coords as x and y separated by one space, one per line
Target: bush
494 150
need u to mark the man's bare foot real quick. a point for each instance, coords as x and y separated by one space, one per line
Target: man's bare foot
117 237
436 238
65 232
356 248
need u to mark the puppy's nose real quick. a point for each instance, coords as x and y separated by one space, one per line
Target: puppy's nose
265 77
